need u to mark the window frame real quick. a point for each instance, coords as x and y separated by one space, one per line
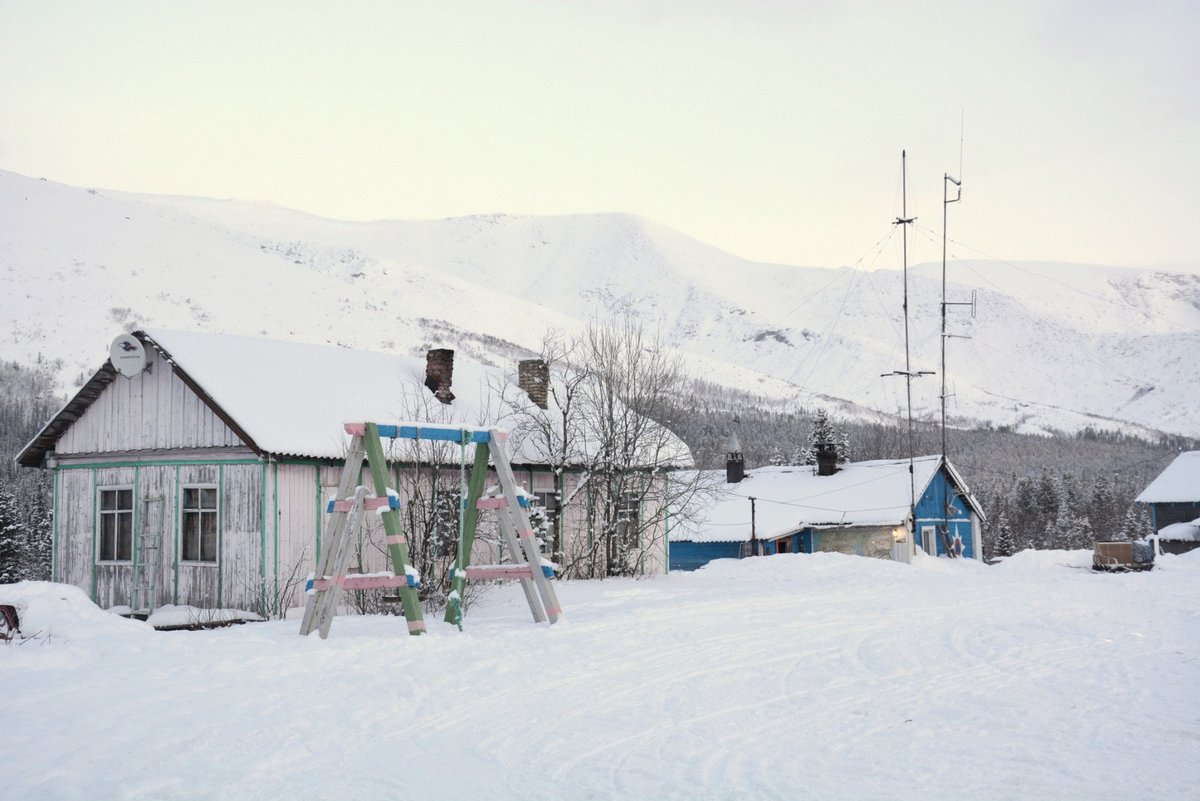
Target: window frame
629 519
115 512
200 511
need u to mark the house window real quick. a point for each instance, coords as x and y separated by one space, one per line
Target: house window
548 501
783 546
116 525
198 525
629 512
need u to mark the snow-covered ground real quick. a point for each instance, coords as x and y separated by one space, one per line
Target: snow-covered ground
793 676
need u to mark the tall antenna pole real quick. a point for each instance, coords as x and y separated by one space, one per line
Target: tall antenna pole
947 179
907 372
905 221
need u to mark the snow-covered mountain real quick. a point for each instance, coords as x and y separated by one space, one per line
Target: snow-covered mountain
1052 345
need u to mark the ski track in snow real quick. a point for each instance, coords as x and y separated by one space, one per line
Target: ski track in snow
794 677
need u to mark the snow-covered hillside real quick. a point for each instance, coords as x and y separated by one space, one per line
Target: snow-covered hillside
1053 346
785 677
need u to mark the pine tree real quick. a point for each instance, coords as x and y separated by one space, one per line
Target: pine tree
1004 545
1136 524
1070 531
824 429
11 540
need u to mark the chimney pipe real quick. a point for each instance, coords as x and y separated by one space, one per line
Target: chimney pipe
826 458
439 373
735 465
533 376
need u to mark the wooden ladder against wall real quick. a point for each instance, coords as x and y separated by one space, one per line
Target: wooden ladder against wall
147 556
345 511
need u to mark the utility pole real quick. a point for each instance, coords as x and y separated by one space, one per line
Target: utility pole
753 531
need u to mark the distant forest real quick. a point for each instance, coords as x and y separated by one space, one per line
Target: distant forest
1060 491
27 400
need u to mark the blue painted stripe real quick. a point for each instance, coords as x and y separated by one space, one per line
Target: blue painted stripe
393 503
434 433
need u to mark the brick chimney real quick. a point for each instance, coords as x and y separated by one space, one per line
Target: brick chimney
735 465
826 458
533 376
439 373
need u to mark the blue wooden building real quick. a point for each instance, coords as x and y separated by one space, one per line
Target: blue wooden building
862 508
1174 501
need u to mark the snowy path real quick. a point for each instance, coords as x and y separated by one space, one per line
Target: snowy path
786 677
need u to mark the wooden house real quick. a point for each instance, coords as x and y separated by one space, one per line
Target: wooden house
241 440
862 508
1174 501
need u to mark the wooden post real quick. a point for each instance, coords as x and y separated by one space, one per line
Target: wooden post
397 548
470 513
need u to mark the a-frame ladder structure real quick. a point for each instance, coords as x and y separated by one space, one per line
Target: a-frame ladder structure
346 509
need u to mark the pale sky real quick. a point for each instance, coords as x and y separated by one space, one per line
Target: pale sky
771 129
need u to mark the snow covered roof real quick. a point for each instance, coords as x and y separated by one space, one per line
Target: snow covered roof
292 398
1179 482
787 499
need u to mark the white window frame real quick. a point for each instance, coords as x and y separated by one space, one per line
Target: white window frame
200 511
929 539
100 515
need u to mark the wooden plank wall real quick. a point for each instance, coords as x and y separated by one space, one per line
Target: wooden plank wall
76 521
153 410
241 567
197 583
111 581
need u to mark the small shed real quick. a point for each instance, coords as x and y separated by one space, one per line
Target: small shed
864 508
1174 501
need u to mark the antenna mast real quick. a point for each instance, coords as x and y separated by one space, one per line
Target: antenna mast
947 180
907 372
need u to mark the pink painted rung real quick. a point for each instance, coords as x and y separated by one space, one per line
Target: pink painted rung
356 429
491 503
362 582
499 572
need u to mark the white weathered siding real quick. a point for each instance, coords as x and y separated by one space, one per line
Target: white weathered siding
152 411
195 584
74 529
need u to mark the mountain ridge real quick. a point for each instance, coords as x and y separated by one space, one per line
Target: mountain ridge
1053 347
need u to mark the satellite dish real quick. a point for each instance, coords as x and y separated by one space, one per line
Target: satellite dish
127 355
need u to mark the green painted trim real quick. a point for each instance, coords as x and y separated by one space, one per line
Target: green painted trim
175 525
164 463
133 544
54 525
220 530
666 523
262 543
320 511
275 529
95 530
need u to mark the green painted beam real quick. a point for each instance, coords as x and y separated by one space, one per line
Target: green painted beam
391 526
470 517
